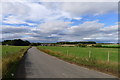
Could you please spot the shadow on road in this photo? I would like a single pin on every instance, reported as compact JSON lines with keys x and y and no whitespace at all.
{"x":21,"y":72}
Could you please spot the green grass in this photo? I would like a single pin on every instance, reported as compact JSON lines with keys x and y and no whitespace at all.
{"x":11,"y":56}
{"x":79,"y":56}
{"x":111,"y":46}
{"x":0,"y":51}
{"x":97,"y":53}
{"x":0,"y":61}
{"x":8,"y":50}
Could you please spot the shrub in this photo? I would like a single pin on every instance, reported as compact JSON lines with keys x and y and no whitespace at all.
{"x":82,"y":45}
{"x":98,"y":45}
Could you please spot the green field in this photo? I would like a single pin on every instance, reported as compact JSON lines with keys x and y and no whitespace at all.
{"x":98,"y":59}
{"x":96,"y":53}
{"x":0,"y":50}
{"x":11,"y":55}
{"x":8,"y":50}
{"x":112,"y":46}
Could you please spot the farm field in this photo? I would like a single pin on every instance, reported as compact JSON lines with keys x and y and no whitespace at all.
{"x":0,"y":61}
{"x":112,"y":46}
{"x":11,"y":55}
{"x":0,"y":51}
{"x":8,"y":50}
{"x":96,"y":53}
{"x":102,"y":59}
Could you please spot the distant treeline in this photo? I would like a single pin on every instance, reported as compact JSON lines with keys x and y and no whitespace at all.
{"x":19,"y":42}
{"x":16,"y":42}
{"x":81,"y":42}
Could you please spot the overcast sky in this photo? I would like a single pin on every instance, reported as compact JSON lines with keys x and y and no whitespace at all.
{"x":60,"y":21}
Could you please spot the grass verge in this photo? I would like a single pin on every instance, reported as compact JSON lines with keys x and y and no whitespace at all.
{"x":92,"y":63}
{"x":10,"y":64}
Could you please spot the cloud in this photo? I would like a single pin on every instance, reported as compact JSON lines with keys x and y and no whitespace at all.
{"x":13,"y":20}
{"x":87,"y":28}
{"x":77,"y":18}
{"x":88,"y":31}
{"x":11,"y":36}
{"x":19,"y":11}
{"x":38,"y":11}
{"x":91,"y":31}
{"x":52,"y":11}
{"x":59,"y":1}
{"x":110,"y":29}
{"x":87,"y":8}
{"x":13,"y":30}
{"x":53,"y":27}
{"x":52,"y":22}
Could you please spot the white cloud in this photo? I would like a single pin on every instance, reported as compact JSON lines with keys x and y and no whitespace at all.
{"x":50,"y":11}
{"x":110,"y":29}
{"x":25,"y":11}
{"x":17,"y":9}
{"x":77,"y":18}
{"x":87,"y":28}
{"x":90,"y":30}
{"x":13,"y":20}
{"x":53,"y":27}
{"x":38,"y":11}
{"x":60,"y":0}
{"x":96,"y":8}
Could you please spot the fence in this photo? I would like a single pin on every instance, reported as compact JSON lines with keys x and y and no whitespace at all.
{"x":90,"y":55}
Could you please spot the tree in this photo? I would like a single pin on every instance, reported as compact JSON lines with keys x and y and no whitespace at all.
{"x":98,"y":45}
{"x":82,"y":45}
{"x":16,"y":42}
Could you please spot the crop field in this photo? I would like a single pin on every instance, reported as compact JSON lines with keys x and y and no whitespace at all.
{"x":96,"y":53}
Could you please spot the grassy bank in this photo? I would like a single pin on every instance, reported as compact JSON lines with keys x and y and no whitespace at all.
{"x":11,"y":55}
{"x":0,"y":68}
{"x":80,"y":56}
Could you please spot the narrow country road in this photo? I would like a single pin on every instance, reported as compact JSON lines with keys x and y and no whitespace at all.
{"x":37,"y":64}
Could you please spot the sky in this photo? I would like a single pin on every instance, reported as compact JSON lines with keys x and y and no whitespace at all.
{"x":59,"y":21}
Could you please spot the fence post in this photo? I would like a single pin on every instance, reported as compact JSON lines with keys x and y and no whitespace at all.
{"x":108,"y":57}
{"x":89,"y":54}
{"x":67,"y":52}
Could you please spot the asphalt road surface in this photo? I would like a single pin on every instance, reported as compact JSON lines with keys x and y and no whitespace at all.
{"x":37,"y":64}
